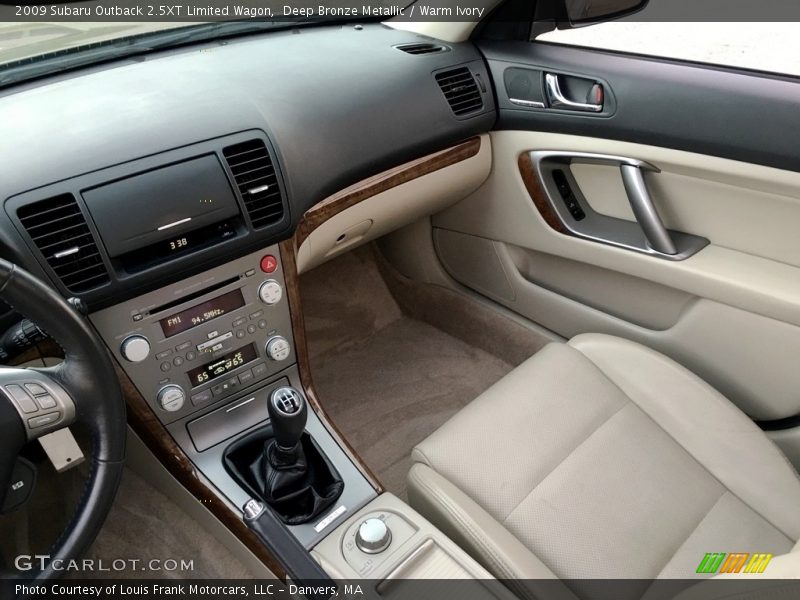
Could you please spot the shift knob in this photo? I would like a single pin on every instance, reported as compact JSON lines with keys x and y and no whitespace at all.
{"x":288,"y":412}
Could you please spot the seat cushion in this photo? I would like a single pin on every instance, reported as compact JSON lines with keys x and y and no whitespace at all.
{"x":601,"y":458}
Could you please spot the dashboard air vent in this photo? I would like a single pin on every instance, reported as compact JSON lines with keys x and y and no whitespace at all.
{"x":255,"y":177}
{"x":460,"y":90}
{"x":423,"y":48}
{"x":58,"y":228}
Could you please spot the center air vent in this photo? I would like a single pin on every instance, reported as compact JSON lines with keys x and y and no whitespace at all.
{"x":460,"y":90}
{"x":59,"y":230}
{"x":422,"y":48}
{"x":255,"y":177}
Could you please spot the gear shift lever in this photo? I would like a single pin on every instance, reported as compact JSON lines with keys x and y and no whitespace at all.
{"x":282,"y":465}
{"x":288,"y":413}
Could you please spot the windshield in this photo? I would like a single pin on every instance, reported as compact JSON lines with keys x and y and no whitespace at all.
{"x":39,"y":39}
{"x":27,"y":40}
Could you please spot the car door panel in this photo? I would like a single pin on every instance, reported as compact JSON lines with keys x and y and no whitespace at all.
{"x":731,"y":312}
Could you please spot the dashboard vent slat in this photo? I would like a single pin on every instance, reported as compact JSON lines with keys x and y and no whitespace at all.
{"x":58,"y":229}
{"x":422,"y":48}
{"x":460,"y":90}
{"x":256,"y":180}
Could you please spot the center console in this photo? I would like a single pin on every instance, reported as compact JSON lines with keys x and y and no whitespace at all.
{"x":207,"y":354}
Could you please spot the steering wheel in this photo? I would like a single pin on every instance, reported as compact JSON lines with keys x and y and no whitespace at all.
{"x":83,"y":389}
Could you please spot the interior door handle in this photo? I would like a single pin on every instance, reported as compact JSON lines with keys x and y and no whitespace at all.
{"x":645,"y":211}
{"x":557,"y":98}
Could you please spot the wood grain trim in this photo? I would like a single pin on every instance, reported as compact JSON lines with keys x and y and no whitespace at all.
{"x":332,"y":205}
{"x":291,"y":278}
{"x":534,"y":186}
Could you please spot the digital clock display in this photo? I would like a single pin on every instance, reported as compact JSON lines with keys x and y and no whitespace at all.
{"x":222,"y":365}
{"x":197,"y":315}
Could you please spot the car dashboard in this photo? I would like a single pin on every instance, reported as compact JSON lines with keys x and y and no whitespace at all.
{"x":170,"y":194}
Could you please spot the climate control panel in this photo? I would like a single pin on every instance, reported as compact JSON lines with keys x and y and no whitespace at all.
{"x":193,"y":343}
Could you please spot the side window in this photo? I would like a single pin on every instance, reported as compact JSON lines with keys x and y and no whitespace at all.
{"x":770,"y":47}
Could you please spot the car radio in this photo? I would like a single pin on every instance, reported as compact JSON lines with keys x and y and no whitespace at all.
{"x":191,"y":344}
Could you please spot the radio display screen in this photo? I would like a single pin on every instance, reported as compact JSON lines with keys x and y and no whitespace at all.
{"x":222,"y":365}
{"x":201,"y":313}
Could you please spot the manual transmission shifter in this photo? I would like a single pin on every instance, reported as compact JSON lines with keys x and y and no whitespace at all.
{"x":282,"y":464}
{"x":288,"y":413}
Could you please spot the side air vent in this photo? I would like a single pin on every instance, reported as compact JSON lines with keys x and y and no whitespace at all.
{"x":58,"y":228}
{"x":257,"y":182}
{"x":460,"y":90}
{"x":423,"y":48}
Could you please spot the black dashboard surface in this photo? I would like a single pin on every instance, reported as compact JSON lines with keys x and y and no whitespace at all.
{"x":339,"y":103}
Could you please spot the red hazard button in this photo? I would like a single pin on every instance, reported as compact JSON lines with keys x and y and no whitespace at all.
{"x":269,"y":263}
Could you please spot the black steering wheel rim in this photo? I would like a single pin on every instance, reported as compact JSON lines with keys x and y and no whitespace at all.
{"x":88,"y":376}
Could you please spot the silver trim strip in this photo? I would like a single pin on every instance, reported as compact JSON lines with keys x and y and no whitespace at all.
{"x":258,"y":190}
{"x":528,"y":103}
{"x":240,"y":405}
{"x":168,"y":225}
{"x":68,"y":252}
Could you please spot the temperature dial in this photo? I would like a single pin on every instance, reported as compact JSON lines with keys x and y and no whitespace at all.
{"x":135,"y":348}
{"x":270,"y":292}
{"x":171,"y":398}
{"x":278,"y":348}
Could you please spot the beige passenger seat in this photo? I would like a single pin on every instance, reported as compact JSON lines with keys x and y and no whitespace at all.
{"x":601,"y":458}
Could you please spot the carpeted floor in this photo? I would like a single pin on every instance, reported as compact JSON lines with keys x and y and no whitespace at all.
{"x":388,"y":380}
{"x":143,"y":525}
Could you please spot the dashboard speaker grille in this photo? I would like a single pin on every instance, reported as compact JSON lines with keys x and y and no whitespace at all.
{"x":460,"y":90}
{"x":422,"y":48}
{"x":59,"y":230}
{"x":255,"y":177}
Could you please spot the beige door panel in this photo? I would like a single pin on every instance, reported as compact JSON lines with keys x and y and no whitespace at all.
{"x":749,"y":358}
{"x":501,"y":209}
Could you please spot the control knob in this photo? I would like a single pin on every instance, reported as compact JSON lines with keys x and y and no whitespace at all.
{"x":373,"y":536}
{"x":135,"y":348}
{"x":278,"y":348}
{"x":270,"y":292}
{"x":171,"y":398}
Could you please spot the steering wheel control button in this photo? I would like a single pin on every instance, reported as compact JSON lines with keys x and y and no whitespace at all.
{"x":269,"y":264}
{"x":278,"y":348}
{"x":35,"y":389}
{"x":46,"y":401}
{"x":22,"y":398}
{"x":373,"y":536}
{"x":165,"y":366}
{"x":43,"y":420}
{"x":270,"y":292}
{"x":135,"y":348}
{"x":171,"y":398}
